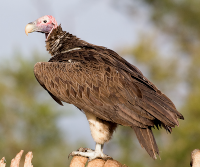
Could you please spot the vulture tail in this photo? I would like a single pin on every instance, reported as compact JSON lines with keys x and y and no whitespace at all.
{"x":147,"y":140}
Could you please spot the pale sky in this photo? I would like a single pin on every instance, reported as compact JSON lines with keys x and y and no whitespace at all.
{"x":97,"y":22}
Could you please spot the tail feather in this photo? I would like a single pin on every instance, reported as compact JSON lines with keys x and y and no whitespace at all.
{"x":147,"y":140}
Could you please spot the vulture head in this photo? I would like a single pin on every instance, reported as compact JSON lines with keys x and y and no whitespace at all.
{"x":44,"y":24}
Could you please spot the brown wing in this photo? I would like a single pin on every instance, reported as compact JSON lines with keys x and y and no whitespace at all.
{"x":107,"y":93}
{"x":95,"y":88}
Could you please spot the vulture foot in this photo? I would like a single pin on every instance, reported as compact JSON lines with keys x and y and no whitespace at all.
{"x":90,"y":154}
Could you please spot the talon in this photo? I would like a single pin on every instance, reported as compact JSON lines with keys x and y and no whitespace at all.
{"x":69,"y":155}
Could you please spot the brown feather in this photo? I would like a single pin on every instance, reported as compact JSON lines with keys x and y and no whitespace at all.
{"x":147,"y":140}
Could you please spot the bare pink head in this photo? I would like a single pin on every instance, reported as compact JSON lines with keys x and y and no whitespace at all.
{"x":44,"y":24}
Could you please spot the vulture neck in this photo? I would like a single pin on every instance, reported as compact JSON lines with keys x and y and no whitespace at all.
{"x":60,"y":41}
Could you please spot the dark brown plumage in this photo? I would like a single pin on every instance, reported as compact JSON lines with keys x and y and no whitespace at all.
{"x":97,"y":80}
{"x":108,"y":89}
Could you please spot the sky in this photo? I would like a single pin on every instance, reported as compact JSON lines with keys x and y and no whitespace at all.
{"x":94,"y":21}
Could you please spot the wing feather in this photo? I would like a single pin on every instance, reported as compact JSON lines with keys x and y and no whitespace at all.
{"x":111,"y":95}
{"x":147,"y":140}
{"x":37,"y":76}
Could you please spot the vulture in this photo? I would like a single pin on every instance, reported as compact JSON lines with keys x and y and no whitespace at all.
{"x":105,"y":87}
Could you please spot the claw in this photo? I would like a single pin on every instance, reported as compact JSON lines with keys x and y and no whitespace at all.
{"x":81,"y":149}
{"x":69,"y":155}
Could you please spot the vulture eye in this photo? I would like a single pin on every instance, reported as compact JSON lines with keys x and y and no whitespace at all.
{"x":44,"y":21}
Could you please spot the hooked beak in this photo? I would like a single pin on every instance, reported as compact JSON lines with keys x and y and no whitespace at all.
{"x":30,"y":27}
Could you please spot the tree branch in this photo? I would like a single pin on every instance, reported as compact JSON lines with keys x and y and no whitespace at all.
{"x":28,"y":159}
{"x":15,"y":161}
{"x":81,"y":162}
{"x":2,"y":162}
{"x":76,"y":161}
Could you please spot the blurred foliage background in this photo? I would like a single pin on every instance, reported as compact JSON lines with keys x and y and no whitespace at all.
{"x":168,"y":53}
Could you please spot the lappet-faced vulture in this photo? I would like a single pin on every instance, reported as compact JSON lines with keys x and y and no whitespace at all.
{"x":105,"y":87}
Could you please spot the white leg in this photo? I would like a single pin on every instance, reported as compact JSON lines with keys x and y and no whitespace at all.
{"x":99,"y":147}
